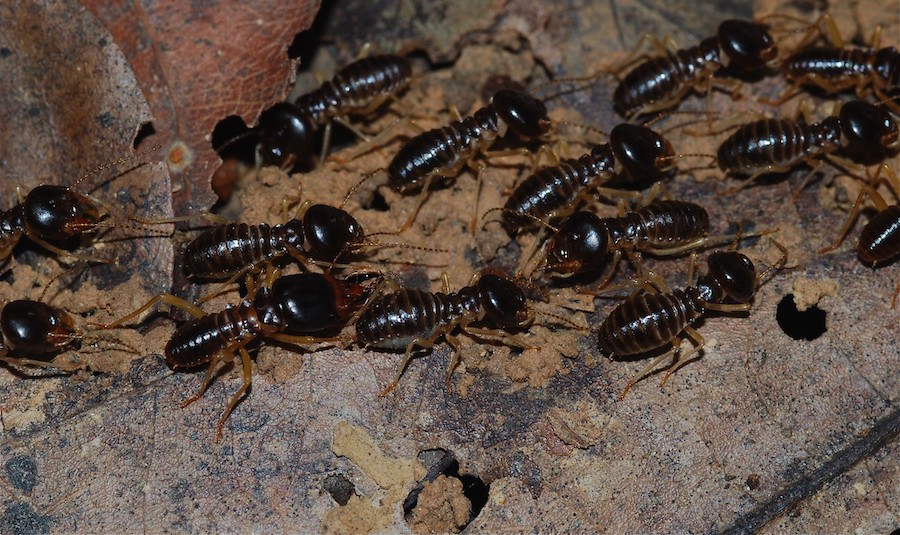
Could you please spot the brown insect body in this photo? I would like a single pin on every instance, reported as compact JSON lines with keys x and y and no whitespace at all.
{"x":36,"y":329}
{"x":646,"y":322}
{"x":584,"y":241}
{"x":295,"y":304}
{"x":633,"y":152}
{"x":771,"y":143}
{"x":879,"y":240}
{"x":354,"y":88}
{"x":660,"y":82}
{"x":49,"y":212}
{"x":409,"y":318}
{"x":323,"y":234}
{"x":845,"y":68}
{"x":395,"y":320}
{"x":441,"y":152}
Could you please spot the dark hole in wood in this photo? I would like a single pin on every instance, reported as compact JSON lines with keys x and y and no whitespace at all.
{"x":806,"y":325}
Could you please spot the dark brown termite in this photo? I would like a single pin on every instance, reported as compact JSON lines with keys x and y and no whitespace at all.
{"x":488,"y":307}
{"x":868,"y":70}
{"x":319,"y":234}
{"x":441,"y":153}
{"x":879,"y":240}
{"x":776,"y":145}
{"x":633,"y":152}
{"x":584,"y":242}
{"x":291,"y":309}
{"x":51,"y":213}
{"x":646,"y":322}
{"x":661,"y":81}
{"x":287,"y":131}
{"x":34,"y":333}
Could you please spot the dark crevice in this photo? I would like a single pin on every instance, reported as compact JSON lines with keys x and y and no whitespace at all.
{"x":339,"y":487}
{"x":444,"y":463}
{"x":378,"y":203}
{"x":305,"y":43}
{"x":806,"y":325}
{"x":145,"y":131}
{"x":231,"y":138}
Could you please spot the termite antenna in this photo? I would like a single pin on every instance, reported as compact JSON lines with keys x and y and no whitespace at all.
{"x":518,"y":214}
{"x":58,"y":276}
{"x":363,"y":244}
{"x":563,"y":320}
{"x":583,"y":126}
{"x":713,"y":160}
{"x":113,"y":164}
{"x":358,"y":185}
{"x":587,"y":79}
{"x":228,"y":142}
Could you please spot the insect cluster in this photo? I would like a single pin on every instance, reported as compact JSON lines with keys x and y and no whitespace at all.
{"x":555,"y":209}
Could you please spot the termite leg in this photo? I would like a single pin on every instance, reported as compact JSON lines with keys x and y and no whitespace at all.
{"x":248,"y":380}
{"x":170,"y":299}
{"x":684,"y":358}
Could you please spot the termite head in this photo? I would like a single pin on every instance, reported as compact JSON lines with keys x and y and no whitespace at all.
{"x":329,"y":231}
{"x":580,"y":244}
{"x":866,"y":125}
{"x":503,"y":301}
{"x":524,"y":114}
{"x":733,"y":273}
{"x":285,"y":135}
{"x":299,"y":304}
{"x":58,"y":213}
{"x":747,"y":44}
{"x":887,"y":65}
{"x":641,"y":151}
{"x":36,"y":329}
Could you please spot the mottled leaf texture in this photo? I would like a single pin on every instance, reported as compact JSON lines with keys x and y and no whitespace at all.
{"x":70,"y":104}
{"x":199,"y":62}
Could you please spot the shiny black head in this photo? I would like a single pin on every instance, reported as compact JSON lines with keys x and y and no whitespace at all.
{"x":58,"y":213}
{"x":304,"y":303}
{"x":747,"y":44}
{"x":285,"y":135}
{"x":866,"y":125}
{"x":504,"y":302}
{"x":329,"y":231}
{"x":524,"y":114}
{"x":641,"y":151}
{"x":887,"y":65}
{"x":734,"y":273}
{"x":580,"y":245}
{"x":35,"y":328}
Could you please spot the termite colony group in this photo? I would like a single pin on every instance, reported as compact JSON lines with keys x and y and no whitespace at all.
{"x":336,"y":300}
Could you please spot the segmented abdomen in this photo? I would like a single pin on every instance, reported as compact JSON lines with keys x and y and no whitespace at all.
{"x":887,"y":65}
{"x":545,"y":193}
{"x":440,"y":149}
{"x":764,"y":143}
{"x":226,"y":249}
{"x":834,"y":64}
{"x":665,"y":224}
{"x":199,"y":340}
{"x":665,"y":77}
{"x":396,"y":319}
{"x":645,"y":322}
{"x":880,"y":238}
{"x":356,"y":86}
